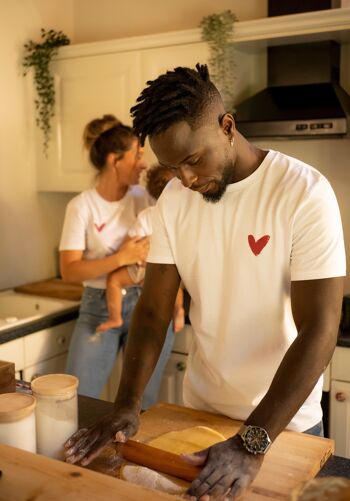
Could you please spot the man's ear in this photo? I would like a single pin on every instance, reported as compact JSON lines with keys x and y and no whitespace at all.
{"x":227,"y":123}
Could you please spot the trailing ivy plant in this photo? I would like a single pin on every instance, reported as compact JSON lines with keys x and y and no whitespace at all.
{"x":217,"y":31}
{"x":39,"y":56}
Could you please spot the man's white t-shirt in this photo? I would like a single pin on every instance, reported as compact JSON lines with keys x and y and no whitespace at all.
{"x":98,"y":227}
{"x":237,"y":258}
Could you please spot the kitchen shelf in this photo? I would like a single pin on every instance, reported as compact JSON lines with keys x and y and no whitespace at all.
{"x":254,"y":34}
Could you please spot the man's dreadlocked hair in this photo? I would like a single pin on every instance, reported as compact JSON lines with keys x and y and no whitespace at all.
{"x":181,"y":94}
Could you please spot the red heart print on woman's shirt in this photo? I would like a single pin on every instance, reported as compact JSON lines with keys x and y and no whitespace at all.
{"x":257,"y":245}
{"x":100,"y":227}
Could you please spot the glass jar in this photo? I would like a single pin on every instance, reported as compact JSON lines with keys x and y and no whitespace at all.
{"x":56,"y":412}
{"x":17,"y":421}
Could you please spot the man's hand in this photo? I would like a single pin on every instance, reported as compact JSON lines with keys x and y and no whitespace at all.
{"x":87,"y":443}
{"x":229,"y":470}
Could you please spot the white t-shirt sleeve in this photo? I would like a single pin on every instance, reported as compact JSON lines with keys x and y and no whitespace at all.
{"x":160,"y":250}
{"x":318,"y":243}
{"x":74,"y":229}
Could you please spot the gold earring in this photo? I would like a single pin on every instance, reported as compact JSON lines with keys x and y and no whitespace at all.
{"x":232,"y":140}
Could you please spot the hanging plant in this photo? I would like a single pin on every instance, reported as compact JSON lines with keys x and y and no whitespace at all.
{"x":217,"y":31}
{"x":39,"y":56}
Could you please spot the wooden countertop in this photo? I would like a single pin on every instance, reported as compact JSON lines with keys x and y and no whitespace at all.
{"x":53,"y":287}
{"x":293,"y":458}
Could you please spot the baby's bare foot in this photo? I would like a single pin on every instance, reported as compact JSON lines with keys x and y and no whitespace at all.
{"x":109,"y":324}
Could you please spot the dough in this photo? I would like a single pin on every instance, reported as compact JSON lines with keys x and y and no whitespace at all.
{"x":323,"y":489}
{"x":179,"y":442}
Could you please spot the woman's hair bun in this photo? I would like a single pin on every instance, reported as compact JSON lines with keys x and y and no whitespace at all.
{"x":98,"y":126}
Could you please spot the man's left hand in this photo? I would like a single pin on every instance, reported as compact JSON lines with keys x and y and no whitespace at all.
{"x":228,"y":471}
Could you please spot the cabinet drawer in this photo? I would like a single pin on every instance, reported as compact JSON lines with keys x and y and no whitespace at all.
{"x":55,"y":365}
{"x":13,"y":351}
{"x":47,"y":343}
{"x":341,"y":364}
{"x":183,"y":340}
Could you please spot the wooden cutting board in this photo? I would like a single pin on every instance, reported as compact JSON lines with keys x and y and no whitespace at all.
{"x":292,"y":459}
{"x":53,"y":287}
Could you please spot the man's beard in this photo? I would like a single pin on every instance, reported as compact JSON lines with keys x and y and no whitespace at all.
{"x":220,"y":186}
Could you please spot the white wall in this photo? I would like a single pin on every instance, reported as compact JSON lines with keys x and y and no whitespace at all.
{"x":108,"y":19}
{"x":30,"y":223}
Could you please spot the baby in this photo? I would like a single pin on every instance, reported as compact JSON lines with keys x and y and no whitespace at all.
{"x":157,"y":178}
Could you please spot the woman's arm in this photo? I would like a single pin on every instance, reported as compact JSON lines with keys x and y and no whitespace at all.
{"x":74,"y":268}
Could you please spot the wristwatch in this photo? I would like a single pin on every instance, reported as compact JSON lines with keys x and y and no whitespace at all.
{"x":255,"y":439}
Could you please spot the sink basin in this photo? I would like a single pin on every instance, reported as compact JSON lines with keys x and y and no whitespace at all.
{"x":17,"y":308}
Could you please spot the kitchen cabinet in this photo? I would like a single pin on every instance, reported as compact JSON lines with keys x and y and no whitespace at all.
{"x":55,"y":365}
{"x":172,"y":382}
{"x":106,"y":77}
{"x":42,"y":352}
{"x":13,"y":351}
{"x":86,"y":87}
{"x":46,"y":351}
{"x":340,"y":401}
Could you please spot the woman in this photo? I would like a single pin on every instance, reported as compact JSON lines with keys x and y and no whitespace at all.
{"x":92,"y":245}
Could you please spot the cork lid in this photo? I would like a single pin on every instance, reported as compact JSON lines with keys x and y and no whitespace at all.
{"x":15,"y":406}
{"x":54,"y":384}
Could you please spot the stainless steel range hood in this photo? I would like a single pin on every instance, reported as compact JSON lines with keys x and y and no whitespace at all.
{"x":303,"y":97}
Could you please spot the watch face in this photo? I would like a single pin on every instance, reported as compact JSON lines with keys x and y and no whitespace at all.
{"x":256,"y":439}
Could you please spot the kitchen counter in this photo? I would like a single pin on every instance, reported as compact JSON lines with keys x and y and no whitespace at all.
{"x":53,"y":288}
{"x":60,"y":317}
{"x":90,"y":409}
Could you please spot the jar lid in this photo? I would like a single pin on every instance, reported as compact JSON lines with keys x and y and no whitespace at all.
{"x":54,"y":384}
{"x":15,"y":406}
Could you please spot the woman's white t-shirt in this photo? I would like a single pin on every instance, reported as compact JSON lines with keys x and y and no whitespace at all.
{"x":237,"y":259}
{"x":98,"y":227}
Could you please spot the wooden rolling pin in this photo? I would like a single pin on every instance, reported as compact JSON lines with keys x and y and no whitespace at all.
{"x":158,"y":460}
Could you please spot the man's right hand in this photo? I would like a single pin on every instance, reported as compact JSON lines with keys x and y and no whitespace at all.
{"x":87,"y":443}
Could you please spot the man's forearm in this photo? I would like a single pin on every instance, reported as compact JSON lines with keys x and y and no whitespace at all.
{"x":295,"y":378}
{"x":144,"y":345}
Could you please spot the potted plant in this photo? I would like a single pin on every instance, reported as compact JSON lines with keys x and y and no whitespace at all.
{"x":217,"y":31}
{"x":39,"y":56}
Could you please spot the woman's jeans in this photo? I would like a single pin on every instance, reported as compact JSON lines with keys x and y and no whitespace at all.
{"x":91,"y":356}
{"x":316,"y":430}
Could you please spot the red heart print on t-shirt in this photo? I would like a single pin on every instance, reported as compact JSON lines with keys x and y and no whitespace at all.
{"x":100,"y":227}
{"x":257,"y":245}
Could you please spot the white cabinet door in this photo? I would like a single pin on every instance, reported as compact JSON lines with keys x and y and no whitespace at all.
{"x":47,"y":343}
{"x":161,"y":59}
{"x":55,"y":365}
{"x":172,"y":382}
{"x":156,"y":61}
{"x":13,"y":351}
{"x":340,"y":417}
{"x":86,"y":88}
{"x":183,"y":340}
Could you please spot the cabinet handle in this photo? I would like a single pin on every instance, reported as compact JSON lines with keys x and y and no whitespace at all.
{"x":340,"y":396}
{"x":61,"y":340}
{"x":181,"y":366}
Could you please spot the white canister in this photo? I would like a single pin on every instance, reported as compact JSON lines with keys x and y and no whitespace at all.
{"x":17,"y":421}
{"x":56,"y":412}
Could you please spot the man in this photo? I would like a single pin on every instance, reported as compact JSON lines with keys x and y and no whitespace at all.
{"x":256,"y":238}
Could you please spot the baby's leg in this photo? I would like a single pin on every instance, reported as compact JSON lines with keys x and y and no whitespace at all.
{"x":179,"y":312}
{"x":115,"y":282}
